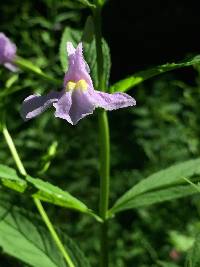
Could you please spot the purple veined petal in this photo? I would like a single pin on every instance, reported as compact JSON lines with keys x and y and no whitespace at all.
{"x":78,"y":68}
{"x":112,"y":101}
{"x":63,"y":106}
{"x":34,"y":105}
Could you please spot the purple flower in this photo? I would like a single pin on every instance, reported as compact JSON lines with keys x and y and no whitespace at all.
{"x":7,"y":52}
{"x":78,"y":97}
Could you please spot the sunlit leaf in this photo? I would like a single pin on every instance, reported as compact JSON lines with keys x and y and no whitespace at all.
{"x":126,"y":84}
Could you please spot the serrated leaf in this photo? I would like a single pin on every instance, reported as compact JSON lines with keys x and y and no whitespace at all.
{"x":10,"y":178}
{"x":141,"y":76}
{"x":158,"y":181}
{"x":69,"y":35}
{"x":24,"y":237}
{"x":53,"y":194}
{"x":193,"y":258}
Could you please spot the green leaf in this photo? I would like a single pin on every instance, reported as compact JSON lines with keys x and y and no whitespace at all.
{"x":180,"y":241}
{"x":139,"y":77}
{"x":159,"y":181}
{"x":87,"y":3}
{"x":10,"y":178}
{"x":154,"y":197}
{"x":53,"y":194}
{"x":193,"y":258}
{"x":23,"y":237}
{"x":69,"y":35}
{"x":31,"y":67}
{"x":26,"y":64}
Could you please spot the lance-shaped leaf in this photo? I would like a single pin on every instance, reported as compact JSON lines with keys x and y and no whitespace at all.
{"x":139,"y":77}
{"x":172,"y":176}
{"x":156,"y":196}
{"x":10,"y":178}
{"x":24,"y":237}
{"x":53,"y":194}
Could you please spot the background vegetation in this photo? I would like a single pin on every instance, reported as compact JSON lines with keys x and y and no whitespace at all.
{"x":163,"y":129}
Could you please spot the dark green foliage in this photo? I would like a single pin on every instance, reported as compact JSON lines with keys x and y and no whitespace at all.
{"x":162,"y":130}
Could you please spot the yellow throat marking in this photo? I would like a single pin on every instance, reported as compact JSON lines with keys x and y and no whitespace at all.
{"x":81,"y":84}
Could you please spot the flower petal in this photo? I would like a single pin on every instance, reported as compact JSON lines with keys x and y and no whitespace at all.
{"x":78,"y":68}
{"x":34,"y":105}
{"x":112,"y":101}
{"x":63,"y":106}
{"x":82,"y":105}
{"x":11,"y":67}
{"x":7,"y":49}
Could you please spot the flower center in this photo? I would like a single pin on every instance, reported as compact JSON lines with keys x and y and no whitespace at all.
{"x":81,"y":84}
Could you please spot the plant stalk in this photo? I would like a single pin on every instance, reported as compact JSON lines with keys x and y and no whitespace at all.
{"x":37,"y":202}
{"x":104,"y":138}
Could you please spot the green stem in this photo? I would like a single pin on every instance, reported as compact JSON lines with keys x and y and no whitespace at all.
{"x":30,"y":67}
{"x":13,"y":151}
{"x":104,"y":163}
{"x":53,"y":232}
{"x":37,"y":202}
{"x":104,"y":146}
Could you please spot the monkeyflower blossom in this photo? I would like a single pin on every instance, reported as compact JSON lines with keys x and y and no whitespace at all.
{"x":78,"y":97}
{"x":7,"y":52}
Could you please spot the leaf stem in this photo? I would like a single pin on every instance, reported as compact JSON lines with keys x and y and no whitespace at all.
{"x":30,"y":67}
{"x":104,"y":138}
{"x":13,"y":150}
{"x":53,"y":232}
{"x":37,"y":202}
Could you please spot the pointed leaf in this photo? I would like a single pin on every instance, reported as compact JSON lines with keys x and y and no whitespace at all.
{"x":53,"y":194}
{"x":139,"y":77}
{"x":161,"y":180}
{"x":154,"y":197}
